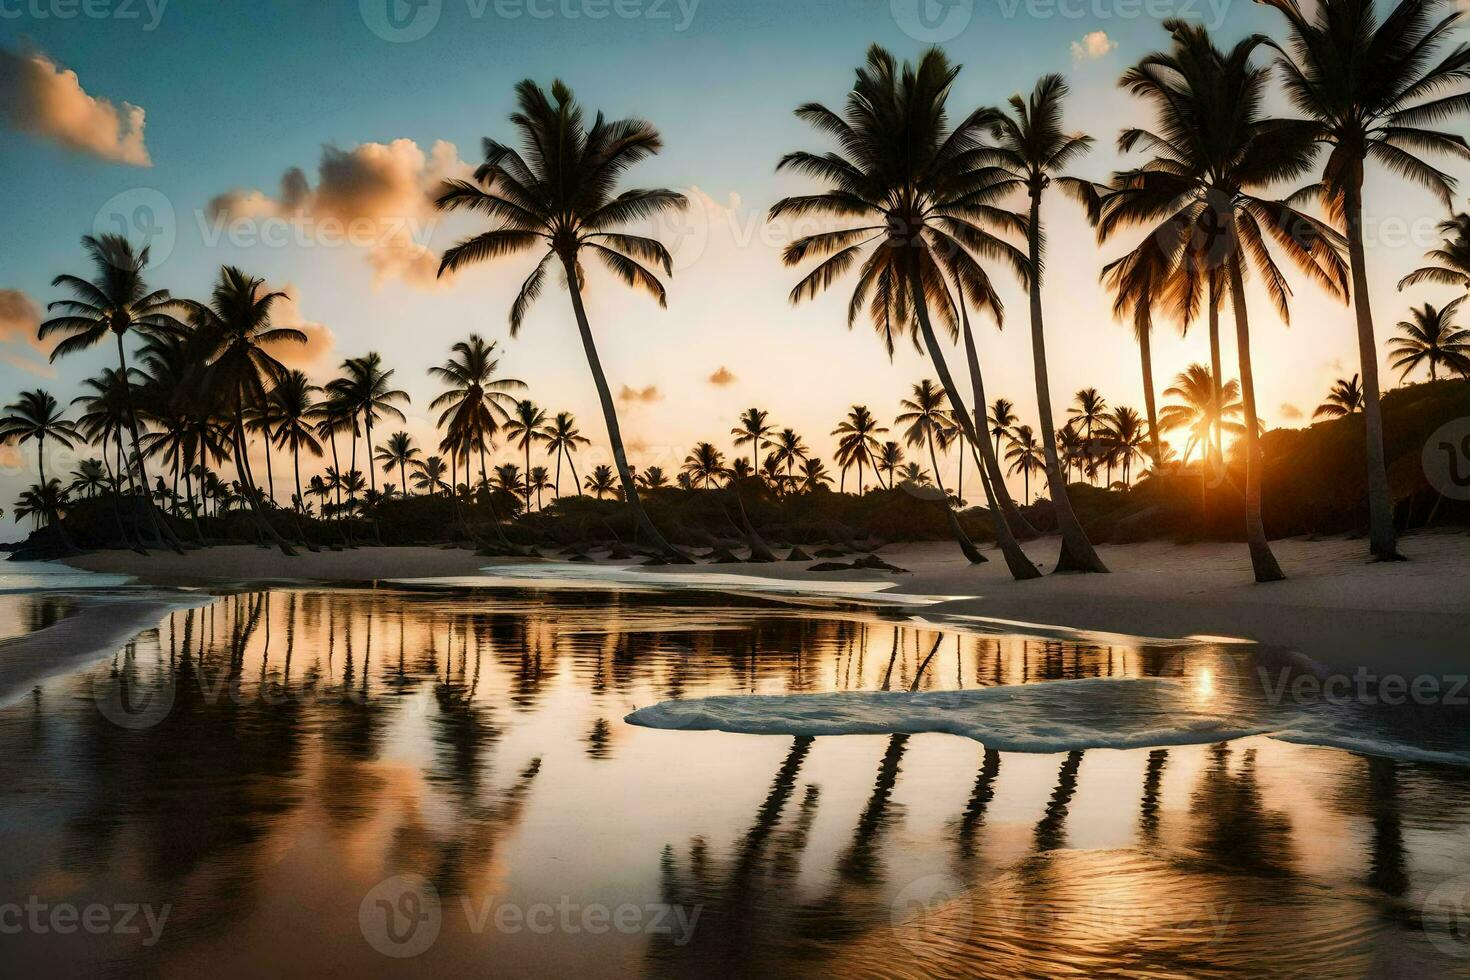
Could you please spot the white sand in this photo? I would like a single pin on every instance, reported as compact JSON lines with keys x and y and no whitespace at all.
{"x":1335,"y":606}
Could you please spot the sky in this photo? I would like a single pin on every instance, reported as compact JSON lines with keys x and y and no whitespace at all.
{"x":300,"y":142}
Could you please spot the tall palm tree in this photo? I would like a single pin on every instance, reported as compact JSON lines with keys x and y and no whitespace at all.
{"x":753,"y":428}
{"x":1003,"y":420}
{"x":557,"y":193}
{"x":926,"y":422}
{"x":1088,"y":411}
{"x":525,"y":427}
{"x":1032,"y":151}
{"x":235,"y":331}
{"x":263,"y":419}
{"x":563,"y":438}
{"x":538,"y":479}
{"x":1345,"y":398}
{"x":105,"y":413}
{"x":788,"y":449}
{"x":428,"y":474}
{"x":814,"y":474}
{"x":705,"y":465}
{"x":1430,"y":336}
{"x":1199,"y":411}
{"x":1199,"y":197}
{"x":295,"y":401}
{"x":1369,"y":88}
{"x":1126,"y":439}
{"x":399,"y":452}
{"x":37,"y":415}
{"x":90,"y":478}
{"x":1138,"y":281}
{"x":857,"y":440}
{"x":475,"y":401}
{"x":905,"y":186}
{"x":118,"y":301}
{"x":890,"y":457}
{"x":364,"y":387}
{"x":42,"y":502}
{"x":1026,"y":456}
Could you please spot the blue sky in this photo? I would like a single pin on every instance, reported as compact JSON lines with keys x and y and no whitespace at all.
{"x":237,"y":93}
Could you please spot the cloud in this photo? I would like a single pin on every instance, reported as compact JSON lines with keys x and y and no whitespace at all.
{"x":375,"y":196}
{"x":39,"y":97}
{"x":19,"y":317}
{"x":1289,"y":412}
{"x":320,"y":344}
{"x":1094,"y":44}
{"x":724,"y":376}
{"x":649,"y":394}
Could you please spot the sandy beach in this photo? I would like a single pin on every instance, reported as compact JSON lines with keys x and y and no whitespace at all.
{"x":1335,"y":607}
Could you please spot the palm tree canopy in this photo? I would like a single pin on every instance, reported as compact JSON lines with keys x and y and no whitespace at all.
{"x":1430,"y":336}
{"x":115,"y":300}
{"x":37,"y":415}
{"x":1345,"y":398}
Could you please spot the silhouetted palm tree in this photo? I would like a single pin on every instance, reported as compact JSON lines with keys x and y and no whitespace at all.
{"x":399,"y":452}
{"x":814,"y":475}
{"x":295,"y":399}
{"x":653,"y":478}
{"x":890,"y":457}
{"x":90,"y":478}
{"x":1345,"y":398}
{"x":365,"y":388}
{"x":1088,"y":411}
{"x":428,"y":475}
{"x":476,"y":402}
{"x":1452,"y":257}
{"x":705,"y":465}
{"x":788,"y":449}
{"x":1369,"y":89}
{"x":1126,"y":439}
{"x":36,"y":415}
{"x":601,"y":482}
{"x":1025,"y":455}
{"x":753,"y":428}
{"x":564,"y":439}
{"x":558,"y":193}
{"x":857,"y":441}
{"x":1195,"y":412}
{"x":525,"y":427}
{"x":1431,"y":337}
{"x":1003,"y":420}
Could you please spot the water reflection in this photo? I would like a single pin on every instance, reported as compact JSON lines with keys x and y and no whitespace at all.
{"x":284,"y":752}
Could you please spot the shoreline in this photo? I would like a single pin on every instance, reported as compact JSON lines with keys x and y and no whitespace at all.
{"x":1335,"y":606}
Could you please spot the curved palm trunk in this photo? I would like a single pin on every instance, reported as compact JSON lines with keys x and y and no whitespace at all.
{"x":610,"y":416}
{"x":1262,"y":560}
{"x":1016,"y":522}
{"x":576,"y":483}
{"x":967,"y":547}
{"x":296,"y":465}
{"x":193,"y":508}
{"x":1381,"y":540}
{"x":270,"y":470}
{"x":1019,"y":565}
{"x":1214,"y":446}
{"x":161,"y":529}
{"x":1077,"y":553}
{"x":242,"y":463}
{"x":1150,"y":407}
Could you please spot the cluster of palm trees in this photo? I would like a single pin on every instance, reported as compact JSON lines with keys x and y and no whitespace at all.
{"x":923,"y":206}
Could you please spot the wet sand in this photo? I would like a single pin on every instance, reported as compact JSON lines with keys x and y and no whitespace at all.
{"x":1335,"y":606}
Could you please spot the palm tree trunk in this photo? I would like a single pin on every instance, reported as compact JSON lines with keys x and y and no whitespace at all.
{"x":528,"y":472}
{"x":242,"y":463}
{"x":1381,"y":541}
{"x":558,"y":472}
{"x":1215,"y":447}
{"x":161,"y":530}
{"x":1150,"y":406}
{"x":572,"y":464}
{"x":296,"y":466}
{"x":1002,"y":504}
{"x":967,"y":547}
{"x":1262,"y":560}
{"x":270,"y":472}
{"x":1077,"y":553}
{"x":610,"y":416}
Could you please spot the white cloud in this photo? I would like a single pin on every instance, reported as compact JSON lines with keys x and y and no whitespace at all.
{"x":39,"y":97}
{"x":19,"y":317}
{"x":1094,"y":44}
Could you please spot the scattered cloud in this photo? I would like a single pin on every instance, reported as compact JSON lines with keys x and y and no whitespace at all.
{"x":1290,"y":412}
{"x":39,"y":97}
{"x":320,"y":344}
{"x":374,"y":196}
{"x":649,"y":394}
{"x":19,"y":317}
{"x":724,"y":376}
{"x":1094,"y":44}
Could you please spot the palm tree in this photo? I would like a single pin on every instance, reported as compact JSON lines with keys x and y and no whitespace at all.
{"x":37,"y":415}
{"x":753,"y":429}
{"x":705,"y":464}
{"x":1071,"y":449}
{"x":653,"y":478}
{"x":508,"y":478}
{"x":263,"y":418}
{"x":1088,"y":411}
{"x":857,"y":440}
{"x":905,"y":186}
{"x":117,"y":301}
{"x":1369,"y":89}
{"x":525,"y":427}
{"x":814,"y":475}
{"x":929,"y":424}
{"x":334,"y":416}
{"x":90,"y":478}
{"x":539,"y":479}
{"x":476,"y":402}
{"x":1431,"y":337}
{"x":1345,"y":398}
{"x":320,"y":489}
{"x":364,"y":388}
{"x":1213,"y":151}
{"x":1199,"y":411}
{"x":399,"y":452}
{"x":1126,"y":438}
{"x":915,"y":474}
{"x":563,"y":438}
{"x":1003,"y":420}
{"x":1026,"y":456}
{"x":788,"y":449}
{"x":601,"y":482}
{"x":890,"y":457}
{"x":558,"y":193}
{"x":42,"y":502}
{"x":1031,"y":152}
{"x":1453,"y":256}
{"x":235,"y":331}
{"x":294,"y":397}
{"x":1139,"y":281}
{"x":428,"y":475}
{"x":105,"y":415}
